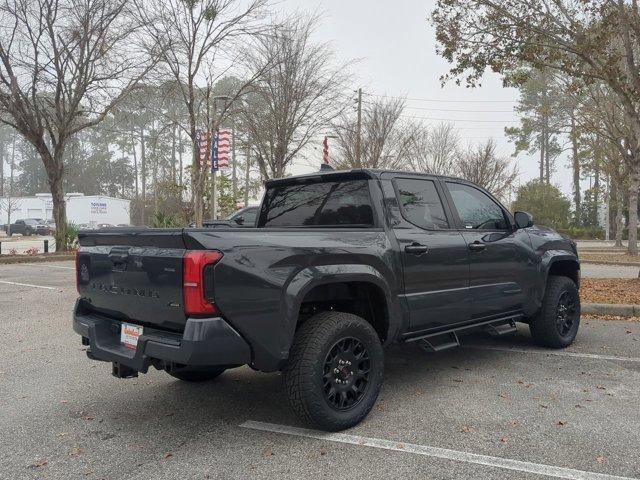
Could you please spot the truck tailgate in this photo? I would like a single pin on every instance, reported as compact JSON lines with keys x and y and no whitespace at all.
{"x":133,"y":275}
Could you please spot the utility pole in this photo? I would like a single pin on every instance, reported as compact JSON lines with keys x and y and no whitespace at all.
{"x":12,"y":167}
{"x":359,"y":131}
{"x":246,"y":176}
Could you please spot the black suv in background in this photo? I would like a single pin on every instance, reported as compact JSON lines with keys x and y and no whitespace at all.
{"x":339,"y":265}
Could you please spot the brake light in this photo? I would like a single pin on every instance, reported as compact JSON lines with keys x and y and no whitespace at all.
{"x":78,"y":270}
{"x":193,"y":265}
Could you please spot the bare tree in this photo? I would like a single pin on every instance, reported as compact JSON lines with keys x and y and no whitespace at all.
{"x":385,"y":138}
{"x":295,"y":99}
{"x":195,"y":38}
{"x":64,"y":64}
{"x":8,"y":205}
{"x":482,"y":165}
{"x":435,"y":149}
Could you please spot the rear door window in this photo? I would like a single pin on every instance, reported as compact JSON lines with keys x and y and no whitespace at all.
{"x":421,"y":204}
{"x":325,"y":204}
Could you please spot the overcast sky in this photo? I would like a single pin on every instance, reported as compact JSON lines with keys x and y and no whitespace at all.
{"x":395,"y":44}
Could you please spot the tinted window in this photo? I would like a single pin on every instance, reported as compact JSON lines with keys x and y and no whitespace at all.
{"x":318,"y":204}
{"x":421,"y":203}
{"x":250,"y":216}
{"x":476,"y":209}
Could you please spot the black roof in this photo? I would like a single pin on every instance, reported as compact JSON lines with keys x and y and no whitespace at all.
{"x":358,"y":173}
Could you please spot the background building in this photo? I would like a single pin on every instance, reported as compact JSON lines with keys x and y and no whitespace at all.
{"x":81,"y":209}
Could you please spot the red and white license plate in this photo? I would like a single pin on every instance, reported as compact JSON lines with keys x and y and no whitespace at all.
{"x":129,"y":335}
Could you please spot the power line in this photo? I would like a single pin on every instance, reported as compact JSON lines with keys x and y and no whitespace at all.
{"x":459,"y":119}
{"x":448,"y":109}
{"x":458,"y":110}
{"x":415,"y":99}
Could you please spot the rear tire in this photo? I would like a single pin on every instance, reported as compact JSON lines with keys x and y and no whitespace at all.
{"x":335,"y":370}
{"x":195,"y":375}
{"x":556,"y":324}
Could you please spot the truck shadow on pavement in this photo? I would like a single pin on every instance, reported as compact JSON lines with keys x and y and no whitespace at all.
{"x":241,"y":394}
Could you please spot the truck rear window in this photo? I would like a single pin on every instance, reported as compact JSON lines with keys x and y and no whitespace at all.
{"x":326,"y":204}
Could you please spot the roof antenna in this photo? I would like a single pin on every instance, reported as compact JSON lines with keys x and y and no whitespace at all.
{"x":325,"y":167}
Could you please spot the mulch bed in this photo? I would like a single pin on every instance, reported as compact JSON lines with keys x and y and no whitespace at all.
{"x":610,"y":290}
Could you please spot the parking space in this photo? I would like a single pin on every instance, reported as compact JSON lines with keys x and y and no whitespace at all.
{"x":495,"y":408}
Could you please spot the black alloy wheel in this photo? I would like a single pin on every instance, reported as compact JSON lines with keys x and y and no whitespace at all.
{"x":346,"y":374}
{"x":566,"y":313}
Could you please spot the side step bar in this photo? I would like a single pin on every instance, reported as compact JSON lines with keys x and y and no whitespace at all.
{"x":440,"y":343}
{"x":501,"y":330}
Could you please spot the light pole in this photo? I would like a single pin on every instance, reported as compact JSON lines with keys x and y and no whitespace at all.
{"x":215,"y":124}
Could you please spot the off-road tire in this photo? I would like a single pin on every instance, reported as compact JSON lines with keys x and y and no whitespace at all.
{"x":306,"y":370}
{"x":545,"y":326}
{"x":195,"y":375}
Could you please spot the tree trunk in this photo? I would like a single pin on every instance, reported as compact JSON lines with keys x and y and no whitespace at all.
{"x":197,"y":186}
{"x":54,"y":167}
{"x":619,"y":217}
{"x":575,"y":163}
{"x":143,"y":171}
{"x":547,"y":158}
{"x":542,"y":136}
{"x":246,"y":177}
{"x":135,"y":176}
{"x":173,"y":154}
{"x":1,"y":169}
{"x":180,"y":162}
{"x":634,"y":184}
{"x":154,"y":174}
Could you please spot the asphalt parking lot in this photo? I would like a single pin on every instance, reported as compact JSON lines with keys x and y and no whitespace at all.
{"x":495,"y":408}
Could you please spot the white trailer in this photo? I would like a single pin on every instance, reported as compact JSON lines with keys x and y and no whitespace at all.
{"x":81,"y":209}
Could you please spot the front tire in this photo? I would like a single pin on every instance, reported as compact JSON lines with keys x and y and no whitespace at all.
{"x":187,"y":374}
{"x":335,"y":370}
{"x":556,"y":324}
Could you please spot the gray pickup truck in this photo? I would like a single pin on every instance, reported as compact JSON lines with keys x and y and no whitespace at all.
{"x":339,"y":265}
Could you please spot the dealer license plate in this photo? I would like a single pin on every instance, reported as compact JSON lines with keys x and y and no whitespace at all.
{"x":129,"y":335}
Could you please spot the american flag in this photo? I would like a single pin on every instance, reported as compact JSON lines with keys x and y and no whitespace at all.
{"x":220,"y":150}
{"x":202,"y":139}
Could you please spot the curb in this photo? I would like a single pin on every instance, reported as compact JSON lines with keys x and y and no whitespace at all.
{"x":11,"y":259}
{"x":610,"y":309}
{"x":604,"y":262}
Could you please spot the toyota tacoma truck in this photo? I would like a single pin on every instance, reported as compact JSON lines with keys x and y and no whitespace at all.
{"x":339,"y":265}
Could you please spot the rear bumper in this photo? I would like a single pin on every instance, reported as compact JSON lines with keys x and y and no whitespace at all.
{"x":204,"y":342}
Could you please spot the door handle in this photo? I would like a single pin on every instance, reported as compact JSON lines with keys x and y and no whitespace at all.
{"x":477,"y":246}
{"x":416,"y":249}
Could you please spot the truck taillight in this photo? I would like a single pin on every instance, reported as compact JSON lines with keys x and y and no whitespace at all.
{"x":193,"y":282}
{"x":78,"y":270}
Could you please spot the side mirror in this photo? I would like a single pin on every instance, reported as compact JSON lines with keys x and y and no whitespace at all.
{"x":523,"y":220}
{"x":239,"y":220}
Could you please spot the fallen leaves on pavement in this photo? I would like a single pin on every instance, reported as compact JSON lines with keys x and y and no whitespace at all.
{"x":40,"y":463}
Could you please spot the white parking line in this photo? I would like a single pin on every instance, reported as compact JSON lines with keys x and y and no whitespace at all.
{"x":28,"y":285}
{"x":506,"y":463}
{"x":556,"y":353}
{"x":42,"y":264}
